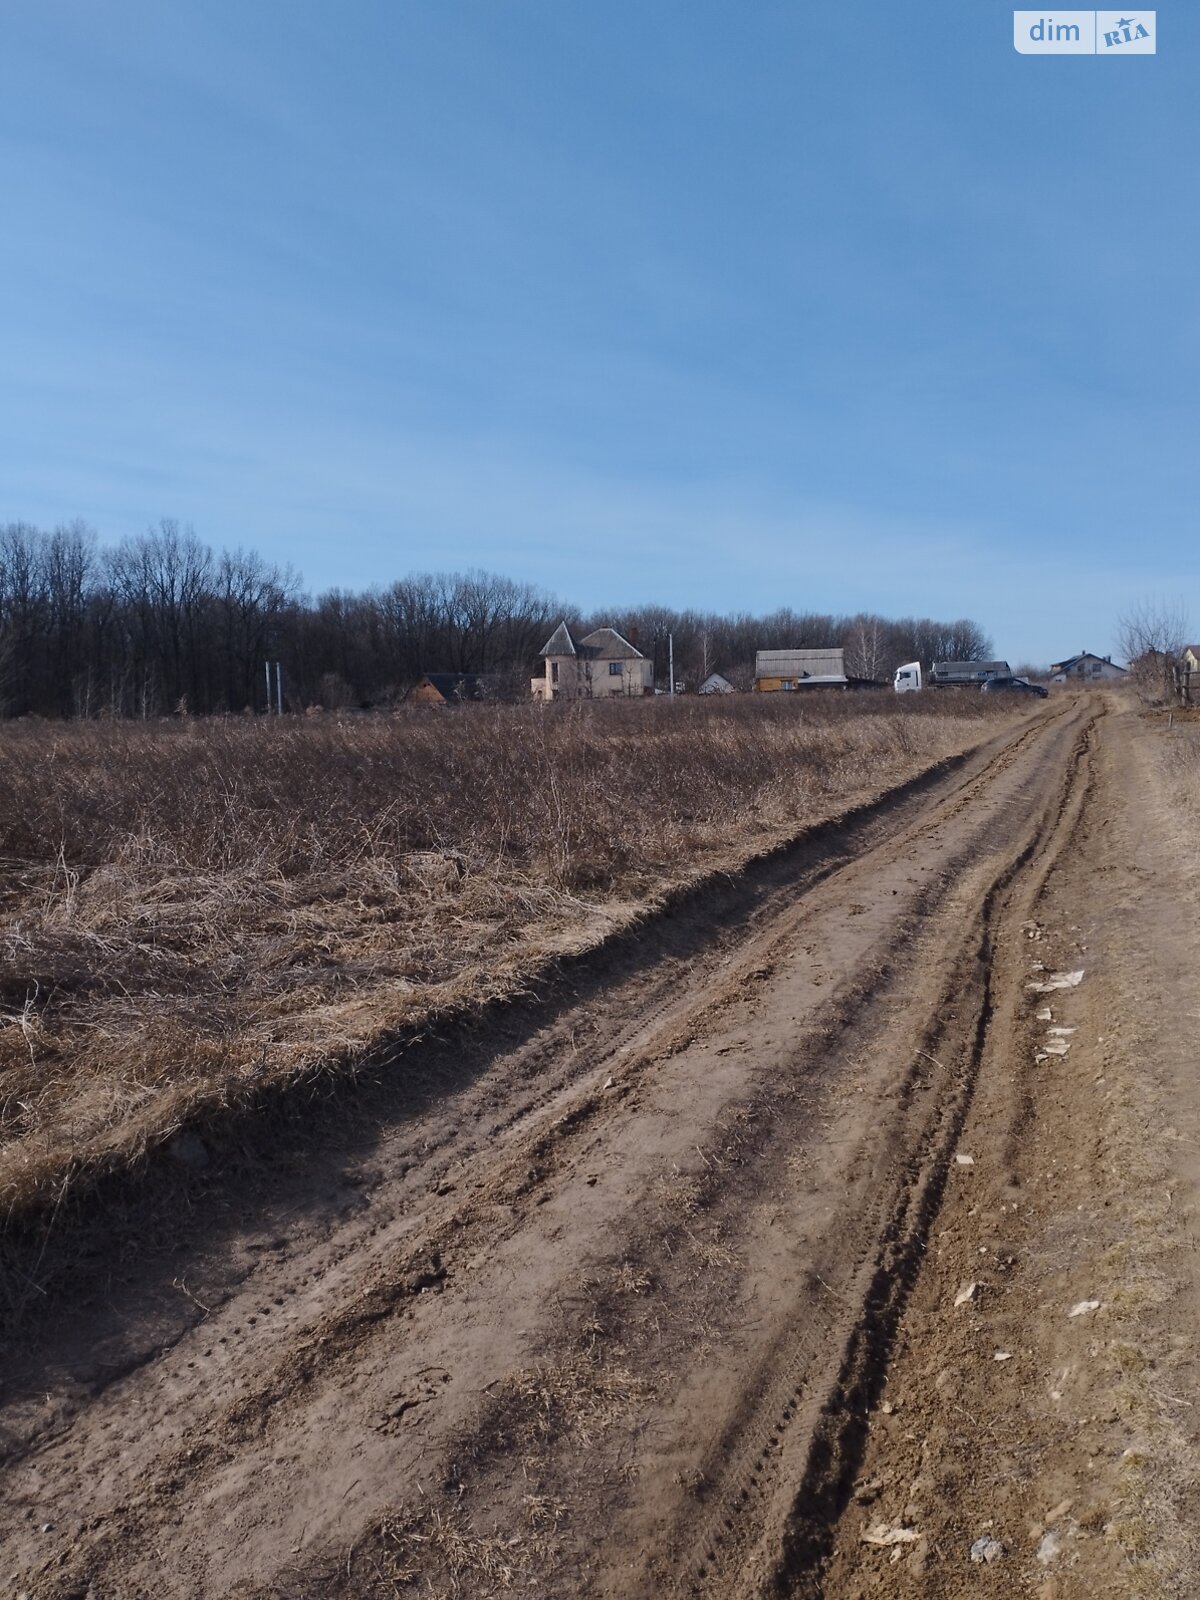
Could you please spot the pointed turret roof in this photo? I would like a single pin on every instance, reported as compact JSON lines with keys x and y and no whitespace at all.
{"x":560,"y":642}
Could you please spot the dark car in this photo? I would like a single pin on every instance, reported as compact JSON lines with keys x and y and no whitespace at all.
{"x":1017,"y":685}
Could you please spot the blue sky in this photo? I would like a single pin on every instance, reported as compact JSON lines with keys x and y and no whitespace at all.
{"x":716,"y":305}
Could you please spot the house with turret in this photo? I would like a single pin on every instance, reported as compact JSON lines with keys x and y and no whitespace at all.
{"x":602,"y":665}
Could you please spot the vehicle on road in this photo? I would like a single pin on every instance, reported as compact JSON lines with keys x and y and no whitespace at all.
{"x":908,"y":678}
{"x":948,"y":674}
{"x":1014,"y":686}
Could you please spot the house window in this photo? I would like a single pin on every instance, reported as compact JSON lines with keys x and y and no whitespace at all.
{"x":554,"y":672}
{"x":614,"y":669}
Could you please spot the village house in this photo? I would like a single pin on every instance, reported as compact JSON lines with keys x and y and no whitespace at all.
{"x":716,"y":683}
{"x":1086,"y":668}
{"x":776,"y":670}
{"x":603,"y":665}
{"x":1187,"y":675}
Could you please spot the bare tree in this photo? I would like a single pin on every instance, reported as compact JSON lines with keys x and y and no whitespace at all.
{"x":866,"y":648}
{"x":250,"y":596}
{"x":1152,"y":636}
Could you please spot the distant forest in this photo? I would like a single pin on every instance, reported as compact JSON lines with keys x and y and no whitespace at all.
{"x":162,"y":624}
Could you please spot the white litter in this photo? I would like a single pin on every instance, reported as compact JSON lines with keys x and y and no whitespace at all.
{"x":963,"y":1159}
{"x":1062,"y":1032}
{"x":987,"y":1549}
{"x":1059,"y":1388}
{"x":1049,"y":1548}
{"x":1058,"y":980}
{"x":1044,"y":1014}
{"x":1083,"y":1307}
{"x":1055,"y":1047}
{"x":965,"y":1294}
{"x":880,"y":1534}
{"x":608,"y":1082}
{"x":1002,"y":1355}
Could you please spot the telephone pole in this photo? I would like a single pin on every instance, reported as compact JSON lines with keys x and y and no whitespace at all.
{"x":274,"y":691}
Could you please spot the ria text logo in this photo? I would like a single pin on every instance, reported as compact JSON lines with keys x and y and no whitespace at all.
{"x":1085,"y":33}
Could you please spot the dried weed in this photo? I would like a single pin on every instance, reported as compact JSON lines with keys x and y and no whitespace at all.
{"x":191,"y":910}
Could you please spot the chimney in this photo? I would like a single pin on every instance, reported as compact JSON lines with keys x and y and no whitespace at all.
{"x":633,"y":637}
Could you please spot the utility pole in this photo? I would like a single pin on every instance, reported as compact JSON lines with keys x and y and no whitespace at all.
{"x":671,"y":661}
{"x":275,"y":690}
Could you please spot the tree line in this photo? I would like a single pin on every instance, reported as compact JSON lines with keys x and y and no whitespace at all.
{"x":162,"y":624}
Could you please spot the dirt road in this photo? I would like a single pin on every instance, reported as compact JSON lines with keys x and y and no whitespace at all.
{"x":790,"y":1249}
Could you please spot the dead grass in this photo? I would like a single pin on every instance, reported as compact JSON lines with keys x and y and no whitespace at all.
{"x":189,"y":910}
{"x":578,"y":1395}
{"x":444,"y":1554}
{"x":1179,"y":752}
{"x":630,"y":1279}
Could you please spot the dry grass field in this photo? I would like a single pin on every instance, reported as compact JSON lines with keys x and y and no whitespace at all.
{"x":193,"y":909}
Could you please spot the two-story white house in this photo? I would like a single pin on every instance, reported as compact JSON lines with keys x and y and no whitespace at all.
{"x":601,"y":666}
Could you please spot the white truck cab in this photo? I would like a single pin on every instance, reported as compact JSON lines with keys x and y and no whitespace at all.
{"x":908,"y":677}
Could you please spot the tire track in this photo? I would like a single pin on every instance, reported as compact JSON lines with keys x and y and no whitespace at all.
{"x":837,"y":1442}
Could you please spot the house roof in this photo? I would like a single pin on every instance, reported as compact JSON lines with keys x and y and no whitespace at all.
{"x":602,"y":644}
{"x":1084,"y":655}
{"x":1194,"y":649}
{"x":606,"y":644}
{"x":828,"y":663}
{"x":454,"y":685}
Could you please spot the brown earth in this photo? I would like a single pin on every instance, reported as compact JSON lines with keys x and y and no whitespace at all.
{"x":651,"y":1290}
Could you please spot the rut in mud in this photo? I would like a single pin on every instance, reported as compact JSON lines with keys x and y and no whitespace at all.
{"x":610,"y":1304}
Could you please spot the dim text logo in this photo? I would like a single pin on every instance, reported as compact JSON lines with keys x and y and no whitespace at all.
{"x":1085,"y":33}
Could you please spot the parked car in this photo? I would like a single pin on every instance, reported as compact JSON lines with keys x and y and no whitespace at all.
{"x":1015,"y":685}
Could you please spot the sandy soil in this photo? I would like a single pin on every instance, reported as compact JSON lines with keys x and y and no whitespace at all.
{"x":742,"y":1265}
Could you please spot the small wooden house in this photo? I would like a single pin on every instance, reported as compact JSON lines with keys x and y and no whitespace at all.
{"x":446,"y":688}
{"x":786,"y":670}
